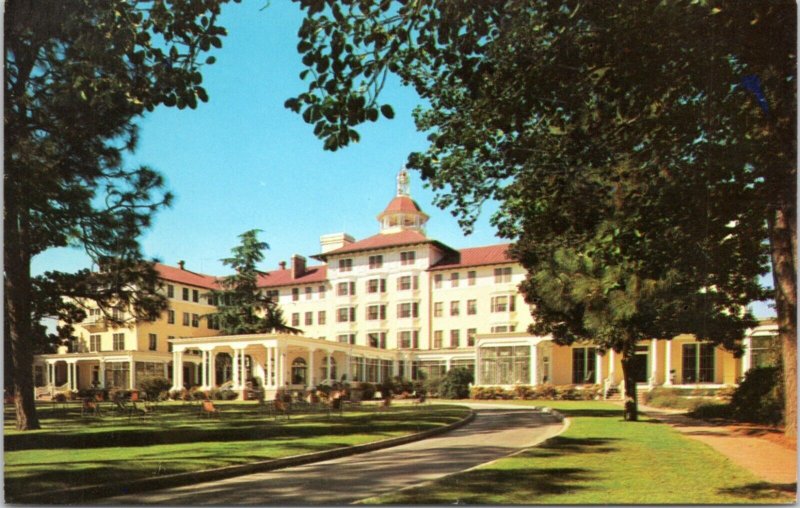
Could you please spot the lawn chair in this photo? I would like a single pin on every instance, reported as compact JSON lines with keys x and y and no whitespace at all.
{"x":207,"y":409}
{"x":90,"y":407}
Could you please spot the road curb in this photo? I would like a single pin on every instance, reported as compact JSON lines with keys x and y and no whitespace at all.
{"x":80,"y":495}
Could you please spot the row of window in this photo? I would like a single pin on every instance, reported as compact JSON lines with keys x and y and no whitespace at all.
{"x":118,"y":342}
{"x":406,"y":339}
{"x":455,"y":338}
{"x":376,"y":261}
{"x":501,"y":275}
{"x":504,"y":303}
{"x":189,"y":295}
{"x":193,"y":320}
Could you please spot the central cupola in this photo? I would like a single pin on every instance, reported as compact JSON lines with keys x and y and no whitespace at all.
{"x":402,"y":213}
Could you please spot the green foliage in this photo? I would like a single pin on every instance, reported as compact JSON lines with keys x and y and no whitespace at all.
{"x":432,"y":386}
{"x":154,"y":386}
{"x":455,"y":384}
{"x":367,"y":391}
{"x":241,"y":306}
{"x":759,"y":397}
{"x":78,"y":74}
{"x":538,"y":392}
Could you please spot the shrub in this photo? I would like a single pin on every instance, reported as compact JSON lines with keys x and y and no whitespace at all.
{"x":367,"y":391}
{"x":153,"y":386}
{"x":455,"y":384}
{"x":709,"y":410}
{"x":566,"y":392}
{"x":759,"y":398}
{"x":545,"y":392}
{"x":433,"y":386}
{"x":591,"y":392}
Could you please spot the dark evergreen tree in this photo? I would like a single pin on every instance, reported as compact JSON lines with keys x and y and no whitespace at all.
{"x":241,"y":306}
{"x":77,"y":75}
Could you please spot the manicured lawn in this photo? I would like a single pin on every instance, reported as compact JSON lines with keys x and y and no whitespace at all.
{"x":602,"y":460}
{"x":73,"y":451}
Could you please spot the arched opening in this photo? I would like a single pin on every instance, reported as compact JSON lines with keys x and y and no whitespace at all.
{"x":223,"y":368}
{"x":299,"y":371}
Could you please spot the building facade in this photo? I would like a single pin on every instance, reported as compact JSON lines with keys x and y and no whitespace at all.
{"x":394,"y":304}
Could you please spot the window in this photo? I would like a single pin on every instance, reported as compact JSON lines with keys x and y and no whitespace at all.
{"x":295,"y":294}
{"x":503,"y":328}
{"x":345,"y":265}
{"x":94,"y":343}
{"x":437,"y":339}
{"x":454,"y":308}
{"x":376,"y":312}
{"x":503,"y":303}
{"x":210,"y":299}
{"x":762,"y":352}
{"x":309,"y":290}
{"x":502,"y":275}
{"x":454,"y":280}
{"x":437,"y":281}
{"x":186,"y":319}
{"x":119,"y":342}
{"x":299,"y":371}
{"x":455,"y":338}
{"x":438,"y":309}
{"x":408,"y":310}
{"x":321,"y":290}
{"x":345,"y":314}
{"x":321,"y":317}
{"x":376,"y":339}
{"x":346,"y":338}
{"x":171,"y":317}
{"x":170,"y":338}
{"x":408,"y":339}
{"x":273,"y":294}
{"x":213,"y":322}
{"x":195,"y":320}
{"x":408,"y":257}
{"x":698,"y":363}
{"x":195,"y":296}
{"x":186,"y":294}
{"x":471,"y":336}
{"x":375,"y":262}
{"x":153,"y":342}
{"x":407,"y":282}
{"x":471,"y":276}
{"x":584,"y":365}
{"x":346,"y":288}
{"x":472,"y":307}
{"x":309,"y":318}
{"x":505,"y":365}
{"x":376,"y":286}
{"x":295,"y":319}
{"x":170,"y":291}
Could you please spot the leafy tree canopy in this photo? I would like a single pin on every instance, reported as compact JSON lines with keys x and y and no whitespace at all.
{"x":77,"y":75}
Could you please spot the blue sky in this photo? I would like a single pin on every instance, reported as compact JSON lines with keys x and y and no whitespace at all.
{"x":243,"y":161}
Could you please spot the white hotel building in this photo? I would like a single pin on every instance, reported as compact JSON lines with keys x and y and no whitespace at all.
{"x":394,"y":304}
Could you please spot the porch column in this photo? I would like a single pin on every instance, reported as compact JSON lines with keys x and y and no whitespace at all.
{"x":598,"y":364}
{"x":203,"y":368}
{"x":407,"y":365}
{"x":281,"y":367}
{"x":70,"y":375}
{"x":101,"y":373}
{"x":668,"y":364}
{"x":268,"y":376}
{"x":478,"y":380}
{"x":447,"y":364}
{"x":50,"y":373}
{"x":328,"y":365}
{"x":534,"y":380}
{"x":747,"y":359}
{"x":395,"y":367}
{"x":212,"y":369}
{"x":311,"y":376}
{"x":132,"y":373}
{"x":611,"y":366}
{"x":235,"y":368}
{"x":654,"y":362}
{"x":47,"y":373}
{"x":166,"y":370}
{"x":177,"y":370}
{"x":347,"y":369}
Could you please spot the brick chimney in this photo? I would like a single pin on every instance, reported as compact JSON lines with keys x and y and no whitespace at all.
{"x":298,"y":266}
{"x":282,"y":264}
{"x":181,"y":263}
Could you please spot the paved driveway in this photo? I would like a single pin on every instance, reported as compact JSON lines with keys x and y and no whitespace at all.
{"x":495,"y":432}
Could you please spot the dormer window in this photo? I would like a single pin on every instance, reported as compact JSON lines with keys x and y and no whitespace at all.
{"x":346,"y":265}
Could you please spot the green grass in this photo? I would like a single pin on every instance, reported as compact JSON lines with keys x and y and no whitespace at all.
{"x":73,"y":451}
{"x":601,"y":459}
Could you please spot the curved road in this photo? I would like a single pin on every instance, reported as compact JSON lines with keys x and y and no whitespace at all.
{"x":497,"y":431}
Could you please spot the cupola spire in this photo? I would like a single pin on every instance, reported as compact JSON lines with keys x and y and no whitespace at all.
{"x":402,"y":213}
{"x":403,"y":182}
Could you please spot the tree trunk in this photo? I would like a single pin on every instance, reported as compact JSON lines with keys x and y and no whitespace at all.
{"x":631,"y":411}
{"x":783,"y":244}
{"x":18,"y":311}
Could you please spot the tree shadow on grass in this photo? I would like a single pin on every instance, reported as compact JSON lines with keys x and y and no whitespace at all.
{"x":762,"y":490}
{"x":591,"y":413}
{"x":561,"y":445}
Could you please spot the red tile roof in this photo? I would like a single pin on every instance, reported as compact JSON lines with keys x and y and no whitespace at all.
{"x":402,"y":204}
{"x":382,"y":241}
{"x":476,"y":256}
{"x":174,"y":274}
{"x":318,"y":273}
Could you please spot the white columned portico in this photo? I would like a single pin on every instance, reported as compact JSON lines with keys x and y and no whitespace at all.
{"x":177,"y":369}
{"x":668,"y":364}
{"x":534,"y":359}
{"x":270,"y":380}
{"x":653,"y":362}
